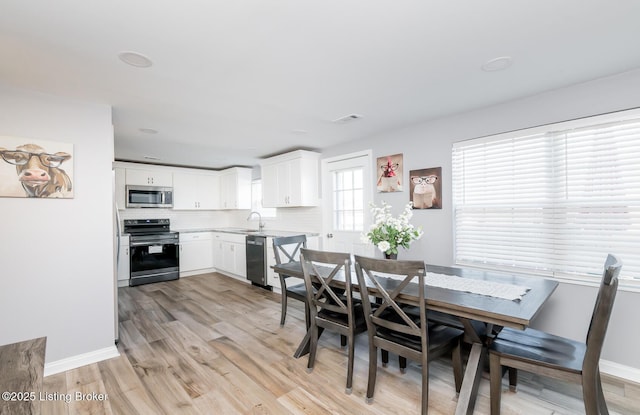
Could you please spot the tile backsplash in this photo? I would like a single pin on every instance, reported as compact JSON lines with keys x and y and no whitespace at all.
{"x":287,"y":219}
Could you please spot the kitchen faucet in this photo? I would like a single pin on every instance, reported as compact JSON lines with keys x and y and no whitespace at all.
{"x":260,"y":222}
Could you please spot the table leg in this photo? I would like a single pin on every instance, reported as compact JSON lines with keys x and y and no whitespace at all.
{"x":471,"y":380}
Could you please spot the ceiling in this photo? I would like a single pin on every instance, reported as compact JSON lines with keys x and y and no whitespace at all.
{"x":233,"y":81}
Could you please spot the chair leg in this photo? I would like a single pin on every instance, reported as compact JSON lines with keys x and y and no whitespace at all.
{"x":313,"y":347}
{"x":402,"y":363}
{"x":602,"y":403}
{"x":385,"y":357}
{"x":513,"y":379}
{"x":283,"y":313}
{"x":425,"y":386}
{"x":456,"y":359}
{"x":351,"y":346}
{"x":495,"y":383}
{"x":590,"y":392}
{"x":307,"y":316}
{"x":373,"y":370}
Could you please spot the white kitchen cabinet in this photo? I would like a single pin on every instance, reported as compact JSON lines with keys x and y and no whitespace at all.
{"x":195,"y":191}
{"x":229,"y":252}
{"x":149,"y":177}
{"x":123,"y":261}
{"x":235,"y":188}
{"x":290,"y":179}
{"x":196,"y":251}
{"x":120,"y":194}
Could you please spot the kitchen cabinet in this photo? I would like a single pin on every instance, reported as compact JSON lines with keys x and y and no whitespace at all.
{"x":229,"y":252}
{"x":123,"y":261}
{"x":149,"y":177}
{"x":196,"y":191}
{"x":290,"y":180}
{"x":120,"y":193}
{"x":235,"y":188}
{"x":196,"y":251}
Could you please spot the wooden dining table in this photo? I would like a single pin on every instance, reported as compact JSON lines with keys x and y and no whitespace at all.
{"x":481,"y":316}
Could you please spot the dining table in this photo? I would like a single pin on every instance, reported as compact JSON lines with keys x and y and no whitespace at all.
{"x":482,"y":316}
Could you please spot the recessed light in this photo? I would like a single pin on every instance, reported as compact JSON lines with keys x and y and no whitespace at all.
{"x":497,"y":64}
{"x":148,"y":130}
{"x":135,"y":59}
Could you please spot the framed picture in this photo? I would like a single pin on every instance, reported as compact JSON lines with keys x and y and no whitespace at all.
{"x":35,"y":168}
{"x":389,"y":173}
{"x":426,"y":188}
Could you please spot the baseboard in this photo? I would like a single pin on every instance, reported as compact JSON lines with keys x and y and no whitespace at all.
{"x":74,"y":362}
{"x":196,"y":272}
{"x":626,"y":373}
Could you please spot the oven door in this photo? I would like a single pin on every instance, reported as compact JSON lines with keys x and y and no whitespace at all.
{"x":153,"y":261}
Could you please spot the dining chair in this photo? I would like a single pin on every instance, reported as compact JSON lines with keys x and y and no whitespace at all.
{"x":553,"y":356}
{"x":391,"y":328}
{"x":287,"y":249}
{"x":330,"y":308}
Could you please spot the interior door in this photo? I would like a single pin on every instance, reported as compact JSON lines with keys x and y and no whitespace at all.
{"x":346,"y":193}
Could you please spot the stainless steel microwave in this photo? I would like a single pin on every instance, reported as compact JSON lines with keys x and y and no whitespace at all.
{"x":149,"y":197}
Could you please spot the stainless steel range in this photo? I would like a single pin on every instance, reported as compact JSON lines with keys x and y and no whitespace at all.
{"x":154,"y":251}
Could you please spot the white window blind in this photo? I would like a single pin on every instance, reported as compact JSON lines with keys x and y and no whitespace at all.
{"x":553,"y":200}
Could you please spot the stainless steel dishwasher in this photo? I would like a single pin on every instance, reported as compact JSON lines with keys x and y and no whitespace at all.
{"x":257,"y":260}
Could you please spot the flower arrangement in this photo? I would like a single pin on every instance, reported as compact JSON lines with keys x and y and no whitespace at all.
{"x":388,"y":233}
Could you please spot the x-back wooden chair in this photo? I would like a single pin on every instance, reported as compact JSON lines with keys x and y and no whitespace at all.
{"x":287,"y":249}
{"x":558,"y":357}
{"x":391,"y":328}
{"x":330,"y":308}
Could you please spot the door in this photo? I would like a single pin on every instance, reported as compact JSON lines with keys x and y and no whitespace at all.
{"x":346,"y":193}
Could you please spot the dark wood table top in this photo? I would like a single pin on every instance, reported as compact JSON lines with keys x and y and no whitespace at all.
{"x":501,"y":312}
{"x":21,"y":376}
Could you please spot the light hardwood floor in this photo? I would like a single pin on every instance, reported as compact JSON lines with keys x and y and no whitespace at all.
{"x":210,"y":344}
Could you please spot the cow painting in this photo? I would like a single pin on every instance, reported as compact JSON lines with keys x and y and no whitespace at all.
{"x":38,"y":171}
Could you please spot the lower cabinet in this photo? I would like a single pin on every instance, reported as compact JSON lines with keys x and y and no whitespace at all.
{"x":229,"y":254}
{"x":123,"y":261}
{"x":196,"y":252}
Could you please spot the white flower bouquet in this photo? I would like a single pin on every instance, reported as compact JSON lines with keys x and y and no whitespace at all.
{"x":388,"y":233}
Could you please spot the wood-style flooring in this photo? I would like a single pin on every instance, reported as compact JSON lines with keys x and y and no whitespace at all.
{"x":209,"y":344}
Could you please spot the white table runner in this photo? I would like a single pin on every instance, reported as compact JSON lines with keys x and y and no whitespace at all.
{"x":489,"y":288}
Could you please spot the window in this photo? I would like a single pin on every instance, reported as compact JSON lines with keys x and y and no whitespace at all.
{"x":348,"y":209}
{"x":553,"y":200}
{"x":256,"y":201}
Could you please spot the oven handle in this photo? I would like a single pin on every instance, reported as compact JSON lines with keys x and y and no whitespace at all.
{"x":150,"y":243}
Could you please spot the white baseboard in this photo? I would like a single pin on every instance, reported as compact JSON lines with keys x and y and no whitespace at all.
{"x":74,"y":362}
{"x":617,"y":370}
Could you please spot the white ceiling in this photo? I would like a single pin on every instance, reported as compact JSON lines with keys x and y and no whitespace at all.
{"x":233,"y":81}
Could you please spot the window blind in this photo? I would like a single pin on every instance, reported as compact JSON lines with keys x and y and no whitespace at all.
{"x":552,"y":200}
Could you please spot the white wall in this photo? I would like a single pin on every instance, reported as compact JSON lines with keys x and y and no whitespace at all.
{"x":57,"y":255}
{"x":429,"y":145}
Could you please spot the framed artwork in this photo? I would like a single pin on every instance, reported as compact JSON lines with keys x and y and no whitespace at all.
{"x":426,"y":188}
{"x":35,"y":168}
{"x":389,"y":173}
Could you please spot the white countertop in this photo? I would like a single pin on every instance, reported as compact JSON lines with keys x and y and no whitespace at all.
{"x":249,"y":231}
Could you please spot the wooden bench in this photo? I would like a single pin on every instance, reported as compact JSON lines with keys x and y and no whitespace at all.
{"x":21,"y":375}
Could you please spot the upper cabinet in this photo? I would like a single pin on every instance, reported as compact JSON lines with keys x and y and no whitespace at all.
{"x":149,"y":177}
{"x":235,"y":188}
{"x":196,"y":191}
{"x":290,"y":179}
